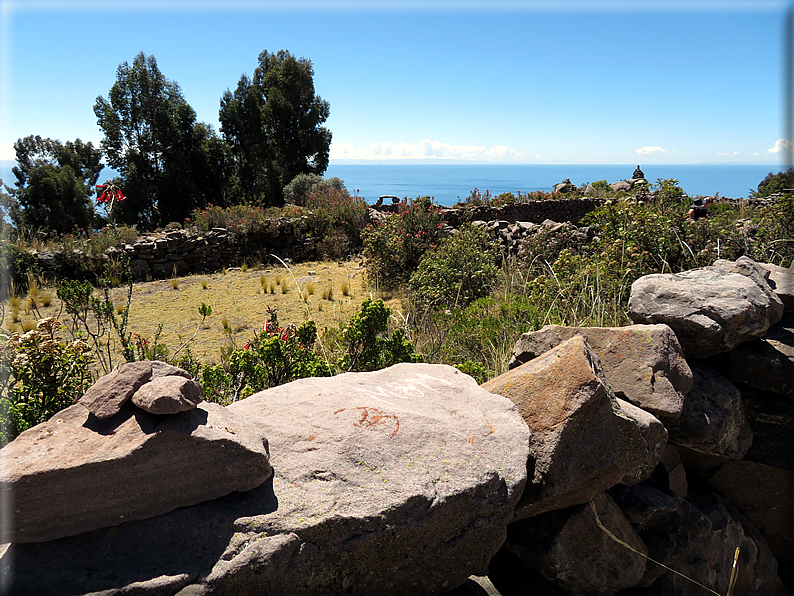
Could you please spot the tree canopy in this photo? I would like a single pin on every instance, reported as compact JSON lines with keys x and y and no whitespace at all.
{"x":168,"y":162}
{"x":55,"y":182}
{"x":273,"y":124}
{"x":774,"y":183}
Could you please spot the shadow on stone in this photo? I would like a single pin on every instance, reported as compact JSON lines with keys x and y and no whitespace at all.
{"x":175,"y":548}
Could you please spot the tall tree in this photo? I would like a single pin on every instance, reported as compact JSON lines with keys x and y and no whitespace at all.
{"x":273,"y":124}
{"x":169,"y":163}
{"x":55,"y":182}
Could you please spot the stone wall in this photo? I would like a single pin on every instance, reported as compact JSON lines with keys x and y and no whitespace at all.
{"x":160,"y":255}
{"x":673,"y":436}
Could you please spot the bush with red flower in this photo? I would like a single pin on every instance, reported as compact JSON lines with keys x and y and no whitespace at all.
{"x":395,"y":246}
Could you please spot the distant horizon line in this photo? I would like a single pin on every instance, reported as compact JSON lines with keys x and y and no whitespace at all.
{"x":415,"y":162}
{"x":419,"y":162}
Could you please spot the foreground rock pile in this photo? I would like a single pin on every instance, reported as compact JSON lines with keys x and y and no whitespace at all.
{"x":598,"y":450}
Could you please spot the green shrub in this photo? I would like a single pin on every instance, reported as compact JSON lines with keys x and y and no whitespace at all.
{"x":458,"y":271}
{"x":334,"y":211}
{"x":17,"y":263}
{"x":395,"y":246}
{"x":774,"y":183}
{"x":40,"y":374}
{"x":478,"y":339}
{"x":366,"y":343}
{"x":275,"y":356}
{"x":302,"y":185}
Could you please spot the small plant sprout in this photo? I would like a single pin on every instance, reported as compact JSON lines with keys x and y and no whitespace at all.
{"x":175,"y":283}
{"x":244,"y":268}
{"x":310,"y":288}
{"x":225,"y":325}
{"x":264,"y":284}
{"x":203,"y":284}
{"x":345,"y":288}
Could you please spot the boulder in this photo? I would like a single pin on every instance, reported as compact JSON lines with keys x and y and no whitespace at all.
{"x":390,"y":482}
{"x":106,"y":397}
{"x":642,"y":363}
{"x":168,"y":395}
{"x":655,"y":436}
{"x":711,"y":556}
{"x":710,"y":310}
{"x":577,"y":550}
{"x":760,"y":486}
{"x":782,"y":282}
{"x":582,"y":442}
{"x":663,"y":520}
{"x":713,"y":419}
{"x":760,"y":275}
{"x":766,"y":364}
{"x":622,"y":185}
{"x":76,"y":472}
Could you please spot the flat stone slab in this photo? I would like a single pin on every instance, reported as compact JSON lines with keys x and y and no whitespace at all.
{"x":390,"y":482}
{"x":76,"y":472}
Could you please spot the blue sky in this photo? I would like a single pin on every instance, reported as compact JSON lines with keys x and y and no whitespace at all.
{"x":515,"y":82}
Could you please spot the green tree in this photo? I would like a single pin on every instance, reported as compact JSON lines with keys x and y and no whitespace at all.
{"x":273,"y":124}
{"x":774,"y":183}
{"x":169,"y":163}
{"x":54,"y":184}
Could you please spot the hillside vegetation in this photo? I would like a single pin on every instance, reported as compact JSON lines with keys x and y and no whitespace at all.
{"x":452,"y":296}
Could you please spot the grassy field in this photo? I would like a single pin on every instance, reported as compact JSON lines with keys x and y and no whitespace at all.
{"x":327,"y":292}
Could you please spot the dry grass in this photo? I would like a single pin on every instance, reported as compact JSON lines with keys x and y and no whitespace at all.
{"x":237,"y":297}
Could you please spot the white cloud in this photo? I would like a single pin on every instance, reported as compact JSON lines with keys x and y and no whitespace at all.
{"x":650,"y":151}
{"x":734,"y":153}
{"x":781,"y":145}
{"x":424,"y":150}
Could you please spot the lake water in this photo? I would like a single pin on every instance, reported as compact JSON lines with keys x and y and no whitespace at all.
{"x":448,"y":183}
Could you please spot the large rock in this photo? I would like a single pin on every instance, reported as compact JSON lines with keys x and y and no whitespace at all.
{"x":710,"y":310}
{"x":766,"y":364}
{"x":571,"y":549}
{"x":643,"y":363}
{"x":653,"y":433}
{"x":665,"y":522}
{"x":582,"y":442}
{"x":106,"y":397}
{"x":713,"y":419}
{"x":782,"y":282}
{"x":760,"y":275}
{"x":391,"y":482}
{"x":76,"y":472}
{"x":711,"y":556}
{"x":168,"y":395}
{"x":761,"y":485}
